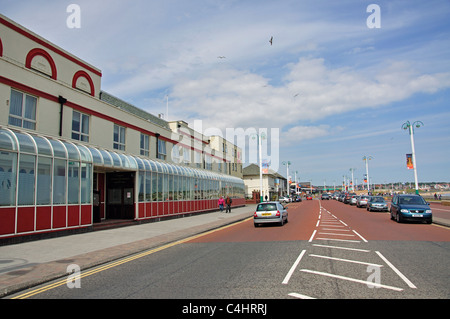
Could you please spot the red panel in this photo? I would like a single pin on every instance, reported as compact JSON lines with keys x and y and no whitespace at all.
{"x":43,"y":217}
{"x":141,"y":207}
{"x":86,"y":215}
{"x":73,"y":215}
{"x":59,"y":216}
{"x":25,"y":219}
{"x":160,"y":208}
{"x":166,"y":208}
{"x":7,"y":220}
{"x":154,"y":209}
{"x":148,"y":209}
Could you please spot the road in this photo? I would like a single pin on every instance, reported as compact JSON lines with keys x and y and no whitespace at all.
{"x":327,"y":250}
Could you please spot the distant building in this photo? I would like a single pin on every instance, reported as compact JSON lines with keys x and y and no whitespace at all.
{"x":273,"y":184}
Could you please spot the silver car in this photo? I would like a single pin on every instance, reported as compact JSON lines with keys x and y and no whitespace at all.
{"x":270,"y":212}
{"x":362,"y":201}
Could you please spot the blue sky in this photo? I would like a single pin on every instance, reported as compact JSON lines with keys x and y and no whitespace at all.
{"x":335,"y":89}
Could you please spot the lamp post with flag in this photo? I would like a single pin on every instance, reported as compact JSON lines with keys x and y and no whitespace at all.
{"x":408,"y":126}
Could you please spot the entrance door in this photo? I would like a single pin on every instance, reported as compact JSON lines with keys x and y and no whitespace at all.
{"x":120,"y":195}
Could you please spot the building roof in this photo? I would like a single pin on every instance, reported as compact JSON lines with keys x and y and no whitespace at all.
{"x":253,"y":170}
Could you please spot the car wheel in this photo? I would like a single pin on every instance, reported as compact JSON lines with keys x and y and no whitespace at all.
{"x":398,"y":218}
{"x":392,"y":216}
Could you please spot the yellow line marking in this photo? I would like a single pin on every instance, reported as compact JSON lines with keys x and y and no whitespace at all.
{"x":123,"y":261}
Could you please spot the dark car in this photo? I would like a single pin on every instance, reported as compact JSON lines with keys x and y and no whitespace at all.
{"x":410,"y":208}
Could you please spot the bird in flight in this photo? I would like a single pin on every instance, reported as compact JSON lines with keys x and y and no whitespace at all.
{"x":221,"y":57}
{"x":271,"y":39}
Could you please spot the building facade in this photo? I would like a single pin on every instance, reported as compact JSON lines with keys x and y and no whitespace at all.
{"x":72,"y":155}
{"x":273,"y":184}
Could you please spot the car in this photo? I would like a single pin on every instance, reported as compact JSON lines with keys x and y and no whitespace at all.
{"x":284,"y":199}
{"x":308,"y":197}
{"x":270,"y":212}
{"x":377,"y":203}
{"x":341,"y":197}
{"x":410,"y":207}
{"x":298,"y":198}
{"x":362,"y":200}
{"x":353,"y":199}
{"x":346,"y":199}
{"x":325,"y":196}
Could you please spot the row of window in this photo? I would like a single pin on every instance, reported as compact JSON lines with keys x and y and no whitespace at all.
{"x":163,"y":187}
{"x":22,"y":113}
{"x":42,"y":180}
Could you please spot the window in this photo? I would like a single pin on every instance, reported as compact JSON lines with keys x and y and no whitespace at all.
{"x":22,"y":110}
{"x":80,"y":126}
{"x":119,"y":137}
{"x":176,"y":153}
{"x":44,"y":181}
{"x":26,"y":180}
{"x":8,"y":173}
{"x":161,"y":150}
{"x":145,"y":145}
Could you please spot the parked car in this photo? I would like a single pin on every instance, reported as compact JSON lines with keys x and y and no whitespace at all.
{"x":341,"y":197}
{"x":347,"y":197}
{"x":270,"y":212}
{"x":353,"y":199}
{"x":325,"y":196}
{"x":308,"y":197}
{"x":377,"y":203}
{"x":298,"y":198}
{"x":410,"y":208}
{"x":284,"y":199}
{"x":362,"y":200}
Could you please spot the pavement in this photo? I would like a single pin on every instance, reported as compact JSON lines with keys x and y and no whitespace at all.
{"x":28,"y":264}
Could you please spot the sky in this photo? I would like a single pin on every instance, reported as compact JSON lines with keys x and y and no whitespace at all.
{"x":336,"y":84}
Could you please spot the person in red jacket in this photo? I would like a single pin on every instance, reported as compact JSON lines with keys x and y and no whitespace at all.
{"x":221,"y":202}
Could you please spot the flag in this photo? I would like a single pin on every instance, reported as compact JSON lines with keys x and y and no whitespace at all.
{"x":409,"y":162}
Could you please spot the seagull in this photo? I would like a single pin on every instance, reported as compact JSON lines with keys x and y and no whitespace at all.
{"x":271,"y":38}
{"x":221,"y":57}
{"x":296,"y":94}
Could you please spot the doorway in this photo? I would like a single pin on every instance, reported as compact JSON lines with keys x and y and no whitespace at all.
{"x":120,"y":195}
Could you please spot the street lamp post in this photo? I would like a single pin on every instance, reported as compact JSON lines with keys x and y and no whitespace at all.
{"x":410,"y":127}
{"x":366,"y":159}
{"x":260,"y":165}
{"x":287,"y":177}
{"x":353,"y":184}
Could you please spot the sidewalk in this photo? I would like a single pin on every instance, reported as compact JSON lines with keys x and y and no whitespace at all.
{"x":28,"y":264}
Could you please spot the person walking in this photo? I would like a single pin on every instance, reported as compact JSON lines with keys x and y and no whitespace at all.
{"x":228,"y":201}
{"x":221,"y":202}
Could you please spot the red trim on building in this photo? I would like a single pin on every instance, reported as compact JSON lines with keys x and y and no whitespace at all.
{"x":48,"y":46}
{"x":43,"y":53}
{"x":83,"y":74}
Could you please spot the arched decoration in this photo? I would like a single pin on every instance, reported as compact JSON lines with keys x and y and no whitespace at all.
{"x":83,"y":74}
{"x":39,"y":52}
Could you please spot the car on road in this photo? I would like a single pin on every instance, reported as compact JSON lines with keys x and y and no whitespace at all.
{"x":347,"y":197}
{"x":362,"y":200}
{"x":377,"y":203}
{"x":298,"y":198}
{"x":325,"y":196}
{"x":284,"y":199}
{"x":353,"y":199}
{"x":407,"y":207}
{"x":270,"y":212}
{"x":308,"y":197}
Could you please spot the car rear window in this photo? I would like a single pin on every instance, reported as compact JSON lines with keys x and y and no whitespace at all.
{"x":266,"y":207}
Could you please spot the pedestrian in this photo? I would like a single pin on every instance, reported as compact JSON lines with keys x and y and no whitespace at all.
{"x":221,"y":202}
{"x":228,"y":201}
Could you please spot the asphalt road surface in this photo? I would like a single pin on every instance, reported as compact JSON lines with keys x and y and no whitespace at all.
{"x":327,"y":250}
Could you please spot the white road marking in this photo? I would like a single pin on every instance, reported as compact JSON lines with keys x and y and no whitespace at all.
{"x":346,"y":260}
{"x":291,"y":271}
{"x":409,"y":283}
{"x":347,"y":240}
{"x":360,"y":236}
{"x":351,"y":279}
{"x":300,"y":296}
{"x":312,"y":236}
{"x":344,"y":248}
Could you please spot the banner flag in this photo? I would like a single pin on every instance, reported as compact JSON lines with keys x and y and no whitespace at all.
{"x":409,"y":162}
